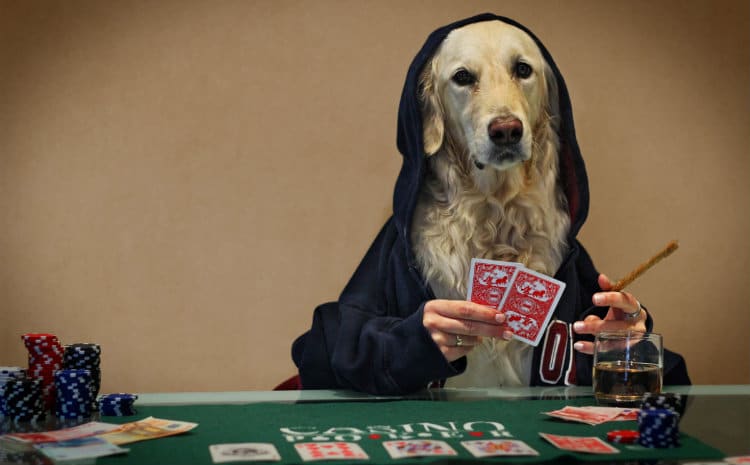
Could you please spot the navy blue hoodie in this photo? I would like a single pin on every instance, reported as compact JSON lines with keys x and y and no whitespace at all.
{"x":372,"y":339}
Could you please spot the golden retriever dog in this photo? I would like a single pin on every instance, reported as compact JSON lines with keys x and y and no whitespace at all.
{"x":489,"y":106}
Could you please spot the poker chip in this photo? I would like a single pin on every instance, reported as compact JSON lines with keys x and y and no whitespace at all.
{"x":117,"y":404}
{"x":23,"y":399}
{"x":663,"y":400}
{"x":6,"y":374}
{"x":623,"y":436}
{"x":45,"y":357}
{"x":85,"y":356}
{"x":658,"y":428}
{"x":73,"y":394}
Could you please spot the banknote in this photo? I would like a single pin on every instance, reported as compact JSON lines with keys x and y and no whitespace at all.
{"x":91,"y":428}
{"x":81,"y":448}
{"x":148,"y":428}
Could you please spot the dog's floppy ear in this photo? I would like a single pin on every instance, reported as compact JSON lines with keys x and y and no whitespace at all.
{"x":433,"y":126}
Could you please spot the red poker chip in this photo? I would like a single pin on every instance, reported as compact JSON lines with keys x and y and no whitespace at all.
{"x":623,"y":436}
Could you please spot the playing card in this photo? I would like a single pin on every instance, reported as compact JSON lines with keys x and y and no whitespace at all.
{"x":489,"y":280}
{"x":588,"y":415}
{"x":417,"y":448}
{"x":244,"y":452}
{"x":591,"y":444}
{"x":529,"y":304}
{"x":309,"y":451}
{"x":498,"y":447}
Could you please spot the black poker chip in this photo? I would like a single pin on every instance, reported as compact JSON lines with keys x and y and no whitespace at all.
{"x":663,"y":400}
{"x":6,"y":374}
{"x":24,"y":399}
{"x":85,"y":356}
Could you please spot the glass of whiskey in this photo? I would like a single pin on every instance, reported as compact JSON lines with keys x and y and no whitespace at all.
{"x":627,"y":364}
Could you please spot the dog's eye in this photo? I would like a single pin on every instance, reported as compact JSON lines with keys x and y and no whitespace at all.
{"x":523,"y":70}
{"x":464,"y":78}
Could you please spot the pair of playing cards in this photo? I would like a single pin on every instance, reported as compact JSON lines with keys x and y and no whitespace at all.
{"x":527,"y":298}
{"x":477,"y":448}
{"x":265,"y":452}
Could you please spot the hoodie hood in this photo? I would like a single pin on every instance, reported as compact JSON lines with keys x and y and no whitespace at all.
{"x":410,"y":138}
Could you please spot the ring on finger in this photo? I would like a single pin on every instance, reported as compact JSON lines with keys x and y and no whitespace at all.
{"x":634,"y":316}
{"x":459,"y":341}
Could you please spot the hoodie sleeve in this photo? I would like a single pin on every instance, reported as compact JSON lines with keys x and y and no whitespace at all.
{"x":372,"y":339}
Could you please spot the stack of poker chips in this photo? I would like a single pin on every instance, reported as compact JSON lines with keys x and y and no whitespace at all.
{"x":45,"y":357}
{"x":85,"y":357}
{"x":24,"y":399}
{"x":658,"y":427}
{"x":6,"y":374}
{"x":659,"y":419}
{"x":117,"y":405}
{"x":73,"y":391}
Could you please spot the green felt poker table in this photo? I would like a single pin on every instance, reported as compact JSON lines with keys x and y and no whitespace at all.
{"x":715,"y":425}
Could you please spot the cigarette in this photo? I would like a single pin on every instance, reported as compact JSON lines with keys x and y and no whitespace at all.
{"x":643,"y":267}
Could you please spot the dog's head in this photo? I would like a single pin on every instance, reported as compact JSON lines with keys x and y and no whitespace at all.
{"x":485,"y":92}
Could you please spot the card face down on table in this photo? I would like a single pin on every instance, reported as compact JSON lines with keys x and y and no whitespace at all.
{"x":587,"y":444}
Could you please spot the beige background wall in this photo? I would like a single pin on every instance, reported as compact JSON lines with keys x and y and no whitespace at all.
{"x":184,"y":181}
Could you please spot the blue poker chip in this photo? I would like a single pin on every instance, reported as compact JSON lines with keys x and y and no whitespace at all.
{"x":74,"y":398}
{"x":117,"y":404}
{"x":658,"y":427}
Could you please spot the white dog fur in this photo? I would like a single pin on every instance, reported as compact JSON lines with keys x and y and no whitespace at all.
{"x":481,"y":199}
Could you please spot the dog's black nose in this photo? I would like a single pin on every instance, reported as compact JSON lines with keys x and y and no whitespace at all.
{"x":505,"y":131}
